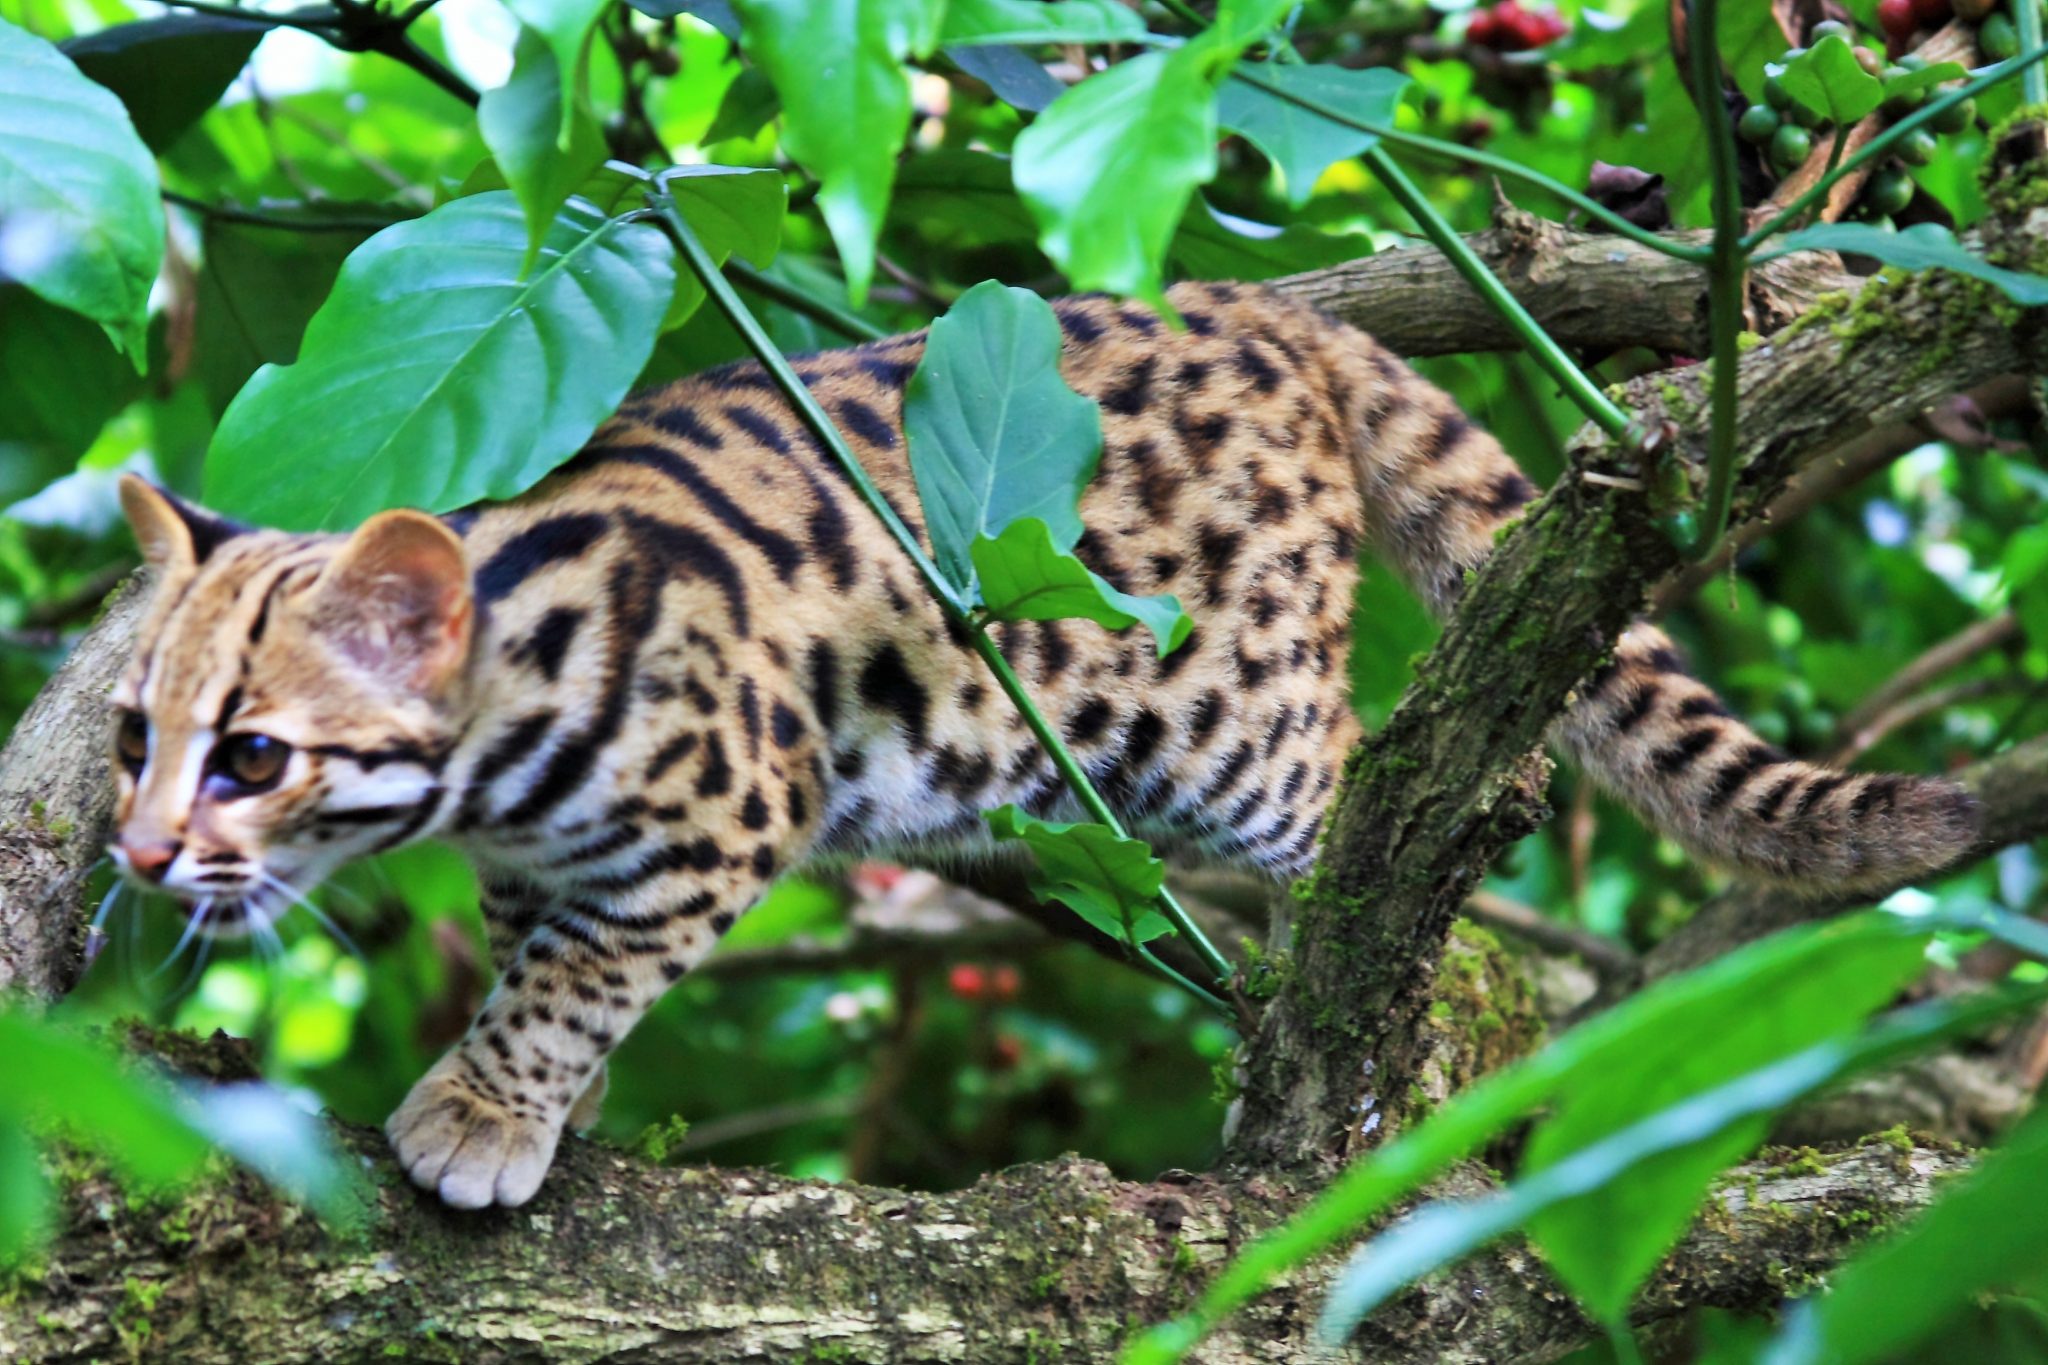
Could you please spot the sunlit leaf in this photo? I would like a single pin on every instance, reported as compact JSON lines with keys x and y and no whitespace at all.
{"x":1109,"y":881}
{"x":521,"y":123}
{"x":1033,"y":21}
{"x":1024,"y":577}
{"x":56,"y":1076}
{"x":80,"y":222}
{"x":24,"y":1195}
{"x":436,"y":374}
{"x":565,"y":26}
{"x":838,"y":68}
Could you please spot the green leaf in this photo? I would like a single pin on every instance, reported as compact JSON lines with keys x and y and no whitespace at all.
{"x":1603,"y":1246}
{"x":55,"y":1075}
{"x":80,"y":222}
{"x":1441,"y":1233}
{"x":1923,"y":78}
{"x":1989,"y":1231}
{"x":1924,"y":246}
{"x":1016,"y":77}
{"x":732,"y":209}
{"x":971,"y":22}
{"x":995,"y":433}
{"x":1299,"y":143}
{"x":1025,"y":577}
{"x":1828,"y":79}
{"x":1750,"y":996}
{"x":24,"y":1196}
{"x":521,"y":121}
{"x":749,"y":103}
{"x":1109,"y":881}
{"x":838,"y":67}
{"x":60,"y":380}
{"x":1214,"y":245}
{"x":1109,"y":168}
{"x":565,"y":26}
{"x":259,"y":286}
{"x":168,"y":71}
{"x":1750,"y":37}
{"x":436,"y":375}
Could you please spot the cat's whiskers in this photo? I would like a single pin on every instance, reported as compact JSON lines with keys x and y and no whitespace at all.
{"x":293,"y":897}
{"x":194,"y":924}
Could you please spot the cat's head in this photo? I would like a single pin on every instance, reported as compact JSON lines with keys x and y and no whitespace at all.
{"x":290,"y":703}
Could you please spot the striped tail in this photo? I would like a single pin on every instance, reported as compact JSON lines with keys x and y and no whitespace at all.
{"x":1437,"y":489}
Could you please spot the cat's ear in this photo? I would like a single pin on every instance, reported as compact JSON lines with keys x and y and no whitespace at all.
{"x":397,"y":598}
{"x":173,"y":534}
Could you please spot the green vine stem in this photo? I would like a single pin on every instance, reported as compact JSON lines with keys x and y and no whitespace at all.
{"x":1602,"y":410}
{"x":670,"y":218}
{"x":849,"y":325}
{"x":2026,"y":15}
{"x":1472,"y":156}
{"x":1883,"y":142}
{"x":1727,"y":270}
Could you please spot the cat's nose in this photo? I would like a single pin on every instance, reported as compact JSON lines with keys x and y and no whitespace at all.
{"x":151,"y":861}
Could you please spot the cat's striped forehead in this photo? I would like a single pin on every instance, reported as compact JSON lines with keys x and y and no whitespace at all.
{"x":210,"y":635}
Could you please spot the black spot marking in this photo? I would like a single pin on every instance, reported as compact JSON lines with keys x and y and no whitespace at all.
{"x":549,"y":643}
{"x":715,"y":777}
{"x":682,"y":424}
{"x":1087,"y":724}
{"x":866,"y":424}
{"x":886,"y":684}
{"x":1254,"y":366}
{"x":1133,"y":391}
{"x":670,"y":754}
{"x":784,"y":725}
{"x":754,"y":810}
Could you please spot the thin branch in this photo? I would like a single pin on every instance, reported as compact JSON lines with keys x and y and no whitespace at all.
{"x":1931,"y":703}
{"x":1979,"y":637}
{"x":1599,"y":952}
{"x":228,"y":213}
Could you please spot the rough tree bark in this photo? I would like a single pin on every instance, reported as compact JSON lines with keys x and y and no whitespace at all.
{"x":621,"y":1261}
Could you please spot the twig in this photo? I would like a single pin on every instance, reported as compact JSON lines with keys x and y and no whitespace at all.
{"x":1852,"y":743}
{"x":228,"y":213}
{"x":1599,"y":952}
{"x":1980,"y":637}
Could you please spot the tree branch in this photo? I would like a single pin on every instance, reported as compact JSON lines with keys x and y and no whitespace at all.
{"x":617,"y":1260}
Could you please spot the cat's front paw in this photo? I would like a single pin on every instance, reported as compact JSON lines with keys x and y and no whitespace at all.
{"x":466,"y":1147}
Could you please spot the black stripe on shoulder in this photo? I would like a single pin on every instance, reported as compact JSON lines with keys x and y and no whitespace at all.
{"x":539,"y":545}
{"x":683,"y":424}
{"x":782,"y":553}
{"x":682,"y":550}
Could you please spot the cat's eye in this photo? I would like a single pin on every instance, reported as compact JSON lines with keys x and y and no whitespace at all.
{"x":250,"y":762}
{"x":131,"y":740}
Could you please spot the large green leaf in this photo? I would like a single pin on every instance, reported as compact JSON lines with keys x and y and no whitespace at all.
{"x":80,"y":222}
{"x":436,"y":374}
{"x":1604,"y":1244}
{"x":565,"y":26}
{"x":1299,"y":143}
{"x":995,"y":433}
{"x":838,"y":66}
{"x":1924,"y":246}
{"x":521,"y":124}
{"x":1901,"y":1300}
{"x":1025,"y":577}
{"x":1441,"y":1233}
{"x":970,"y":22}
{"x":1109,"y":881}
{"x":168,"y":71}
{"x":1751,"y":994}
{"x":1109,"y":168}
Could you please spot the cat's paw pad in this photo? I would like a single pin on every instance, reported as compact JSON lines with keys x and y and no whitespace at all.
{"x":467,"y":1148}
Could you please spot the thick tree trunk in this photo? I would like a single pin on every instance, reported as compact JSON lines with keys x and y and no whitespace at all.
{"x":621,"y":1261}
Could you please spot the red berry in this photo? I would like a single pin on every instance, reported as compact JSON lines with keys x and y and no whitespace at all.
{"x":1484,"y":30}
{"x":1933,"y":13}
{"x":1004,"y":983}
{"x":1554,"y":28}
{"x":967,"y":981}
{"x":1007,"y":1052}
{"x":1897,"y":19}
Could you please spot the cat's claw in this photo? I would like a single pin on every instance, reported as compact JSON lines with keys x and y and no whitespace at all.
{"x":470,"y":1151}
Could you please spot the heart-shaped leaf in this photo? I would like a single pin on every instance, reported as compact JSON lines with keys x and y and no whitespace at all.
{"x":1828,"y":79}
